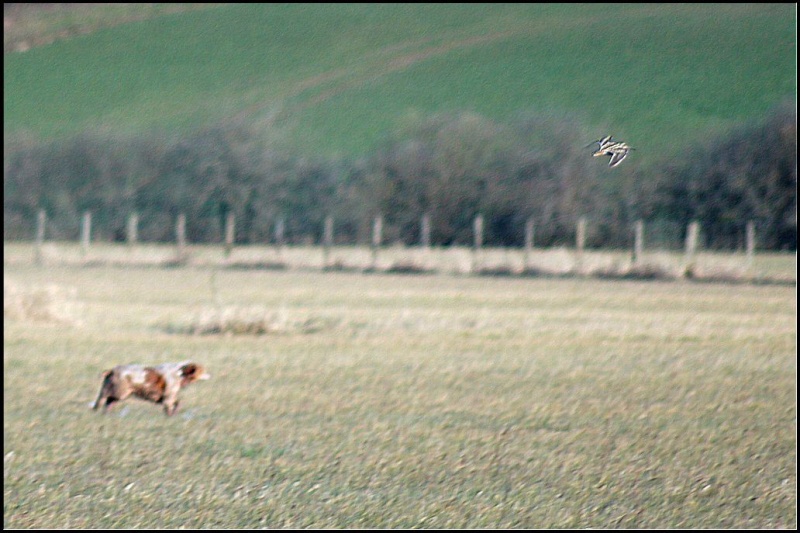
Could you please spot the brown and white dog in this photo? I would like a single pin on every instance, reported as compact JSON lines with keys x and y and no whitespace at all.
{"x":157,"y":384}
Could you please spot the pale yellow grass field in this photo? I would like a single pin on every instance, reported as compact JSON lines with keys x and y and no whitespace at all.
{"x":405,"y":401}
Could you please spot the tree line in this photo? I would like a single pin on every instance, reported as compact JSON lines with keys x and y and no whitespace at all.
{"x":449,"y":167}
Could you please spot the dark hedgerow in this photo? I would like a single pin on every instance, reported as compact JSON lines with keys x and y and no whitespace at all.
{"x":450,"y":167}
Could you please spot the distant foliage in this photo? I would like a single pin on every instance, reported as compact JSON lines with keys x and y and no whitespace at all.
{"x":456,"y":167}
{"x":749,"y":175}
{"x":450,"y":167}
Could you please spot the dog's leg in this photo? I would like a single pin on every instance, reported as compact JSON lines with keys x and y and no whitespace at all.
{"x":171,"y":407}
{"x":106,"y":395}
{"x":109,"y":401}
{"x":103,"y":399}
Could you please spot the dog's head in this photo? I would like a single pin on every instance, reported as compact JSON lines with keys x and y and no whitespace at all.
{"x":191,"y":372}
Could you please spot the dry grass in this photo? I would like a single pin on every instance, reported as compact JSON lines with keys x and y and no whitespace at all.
{"x":46,"y":303}
{"x":423,"y":401}
{"x":554,"y":262}
{"x":250,"y":320}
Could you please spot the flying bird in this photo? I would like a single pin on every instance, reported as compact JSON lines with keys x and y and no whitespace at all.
{"x":616,"y":150}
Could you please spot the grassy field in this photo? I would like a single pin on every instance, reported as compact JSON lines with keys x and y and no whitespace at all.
{"x":341,"y":77}
{"x":403,"y":401}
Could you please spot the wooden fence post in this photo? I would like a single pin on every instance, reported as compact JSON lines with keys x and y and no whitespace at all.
{"x":327,"y":241}
{"x":280,"y":234}
{"x":580,"y":241}
{"x":180,"y":236}
{"x":377,"y":239}
{"x":41,"y":220}
{"x":691,"y":239}
{"x":477,"y":244}
{"x":750,"y":238}
{"x":528,"y":242}
{"x":692,"y":234}
{"x":230,"y":232}
{"x":426,"y":231}
{"x":133,"y":228}
{"x":86,"y":232}
{"x":638,"y":241}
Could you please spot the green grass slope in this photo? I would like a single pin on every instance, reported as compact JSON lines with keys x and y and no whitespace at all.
{"x":341,"y":77}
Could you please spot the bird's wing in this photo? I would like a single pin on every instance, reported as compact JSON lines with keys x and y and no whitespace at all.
{"x":617,"y":157}
{"x":600,"y":142}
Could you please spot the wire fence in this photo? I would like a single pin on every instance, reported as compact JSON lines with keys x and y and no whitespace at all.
{"x":641,"y":261}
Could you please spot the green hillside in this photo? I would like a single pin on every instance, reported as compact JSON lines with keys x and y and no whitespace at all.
{"x":342,"y":77}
